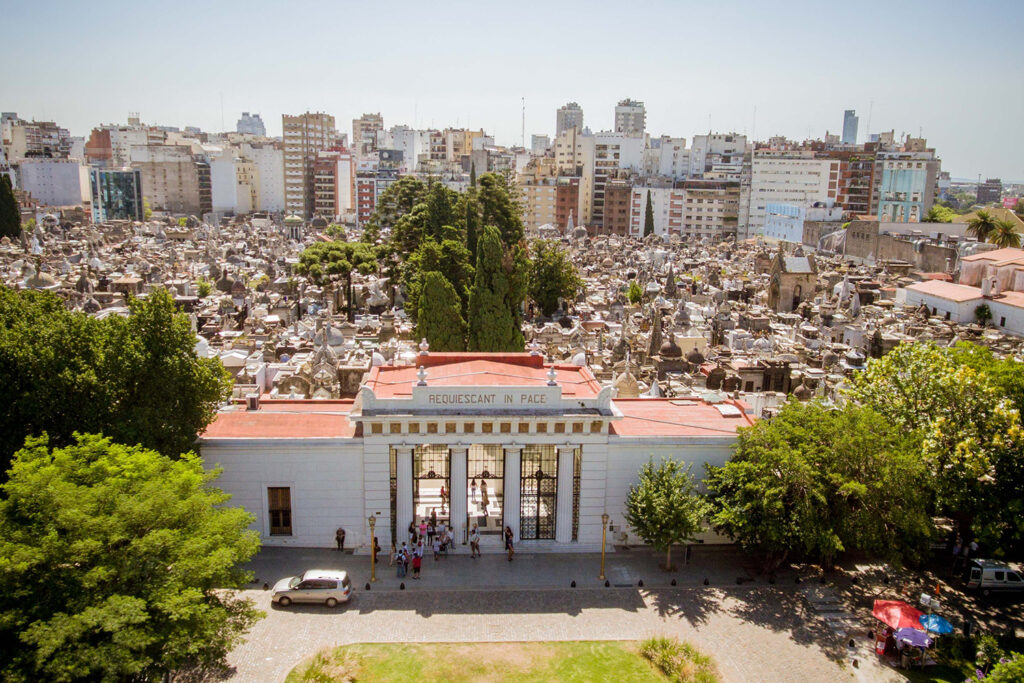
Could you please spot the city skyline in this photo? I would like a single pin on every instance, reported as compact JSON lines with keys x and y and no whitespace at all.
{"x":799,"y":88}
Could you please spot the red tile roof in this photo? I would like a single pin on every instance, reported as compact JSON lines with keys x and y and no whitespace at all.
{"x":671,"y":417}
{"x":388,"y":381}
{"x":946,"y":290}
{"x":285,"y":420}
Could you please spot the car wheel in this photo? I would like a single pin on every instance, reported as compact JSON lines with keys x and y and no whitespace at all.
{"x":331,"y":602}
{"x":284,"y":602}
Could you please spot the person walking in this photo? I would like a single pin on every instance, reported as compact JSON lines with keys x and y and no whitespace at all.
{"x":485,"y":500}
{"x":431,"y":532}
{"x":376,"y":549}
{"x":423,"y":528}
{"x":400,"y":559}
{"x":339,"y":538}
{"x":412,"y":531}
{"x":474,"y":543}
{"x":436,"y":545}
{"x":472,"y":490}
{"x":508,"y":543}
{"x":444,"y":498}
{"x":433,"y":517}
{"x":417,"y":561}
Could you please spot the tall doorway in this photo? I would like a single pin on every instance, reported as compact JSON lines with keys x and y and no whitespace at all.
{"x":485,"y":487}
{"x":431,"y":483}
{"x":538,"y":492}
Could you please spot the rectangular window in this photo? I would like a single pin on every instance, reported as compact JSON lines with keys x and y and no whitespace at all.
{"x":279,"y":504}
{"x":524,"y":427}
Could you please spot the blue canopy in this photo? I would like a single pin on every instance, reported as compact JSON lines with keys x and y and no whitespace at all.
{"x":936,"y":624}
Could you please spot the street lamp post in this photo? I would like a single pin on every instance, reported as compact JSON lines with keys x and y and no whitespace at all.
{"x":373,"y":550}
{"x":604,"y":536}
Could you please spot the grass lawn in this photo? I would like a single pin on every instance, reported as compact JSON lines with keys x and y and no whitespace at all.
{"x":453,"y":662}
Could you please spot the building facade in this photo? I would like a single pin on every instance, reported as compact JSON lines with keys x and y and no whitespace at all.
{"x":850,"y":121}
{"x":251,"y":124}
{"x":541,"y":449}
{"x":305,"y":136}
{"x":568,"y":116}
{"x":630,"y":118}
{"x":54,"y":182}
{"x":116,"y":194}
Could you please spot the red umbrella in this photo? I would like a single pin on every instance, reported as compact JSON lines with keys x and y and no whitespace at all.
{"x":897,"y":614}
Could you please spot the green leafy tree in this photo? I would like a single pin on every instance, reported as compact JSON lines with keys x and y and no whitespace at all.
{"x":182,"y":222}
{"x":664,"y":508}
{"x":325,"y":262}
{"x":1007,"y":670}
{"x":117,"y":564}
{"x":969,"y":431}
{"x":496,"y":298}
{"x":203,"y":287}
{"x":649,"y":216}
{"x":147,"y":210}
{"x":398,"y":200}
{"x":552,"y":276}
{"x":136,"y":379}
{"x":816,"y":482}
{"x":450,"y":258}
{"x":635,"y":293}
{"x":982,"y":225}
{"x":498,"y":208}
{"x":10,"y":214}
{"x":433,"y":218}
{"x":939,"y":214}
{"x":440,"y":319}
{"x":335,"y":232}
{"x":983,"y":314}
{"x":1005,"y":234}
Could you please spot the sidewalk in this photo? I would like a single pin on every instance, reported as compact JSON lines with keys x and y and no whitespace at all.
{"x":720,"y":565}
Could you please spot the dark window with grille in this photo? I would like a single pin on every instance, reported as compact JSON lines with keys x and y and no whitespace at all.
{"x":538,"y":492}
{"x":279,"y":503}
{"x":393,"y":487}
{"x":577,"y":466}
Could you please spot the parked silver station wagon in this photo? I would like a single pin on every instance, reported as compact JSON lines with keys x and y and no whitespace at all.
{"x":324,"y":586}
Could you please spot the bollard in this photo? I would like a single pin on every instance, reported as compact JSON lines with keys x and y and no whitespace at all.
{"x":640,"y":583}
{"x":401,"y":586}
{"x":607,"y":584}
{"x":367,"y":586}
{"x":673,"y":582}
{"x":706,"y":582}
{"x":266,"y":586}
{"x":572,"y":585}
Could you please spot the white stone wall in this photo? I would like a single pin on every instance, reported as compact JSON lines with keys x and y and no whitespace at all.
{"x":627,"y":456}
{"x":327,"y":480}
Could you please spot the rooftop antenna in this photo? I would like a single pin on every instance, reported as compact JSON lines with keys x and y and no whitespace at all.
{"x":523,"y":139}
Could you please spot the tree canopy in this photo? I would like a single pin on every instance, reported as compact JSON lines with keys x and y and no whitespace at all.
{"x":961,"y":405}
{"x":440,"y":319}
{"x":816,"y":481}
{"x":114,"y":562}
{"x":10,"y":214}
{"x":664,"y":508}
{"x":649,"y":216}
{"x":552,"y":276}
{"x":981,"y":225}
{"x":939,"y":214}
{"x":451,"y":258}
{"x":322,"y":261}
{"x":498,"y":207}
{"x":136,"y":379}
{"x":496,"y":298}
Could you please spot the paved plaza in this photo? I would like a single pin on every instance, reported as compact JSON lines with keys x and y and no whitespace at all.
{"x":756,"y":631}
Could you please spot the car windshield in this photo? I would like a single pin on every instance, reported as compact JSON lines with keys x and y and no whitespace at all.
{"x":294,"y":581}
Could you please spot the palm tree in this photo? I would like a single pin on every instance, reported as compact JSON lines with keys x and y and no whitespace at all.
{"x":1004,"y":234}
{"x":981,"y":225}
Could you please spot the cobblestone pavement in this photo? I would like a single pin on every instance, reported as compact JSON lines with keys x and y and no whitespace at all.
{"x":755,"y":634}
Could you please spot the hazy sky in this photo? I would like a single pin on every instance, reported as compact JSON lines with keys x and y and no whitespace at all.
{"x":952,"y":71}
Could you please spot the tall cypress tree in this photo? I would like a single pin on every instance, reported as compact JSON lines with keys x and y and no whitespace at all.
{"x":649,"y":216}
{"x":10,"y":214}
{"x":493,"y":309}
{"x":440,"y":315}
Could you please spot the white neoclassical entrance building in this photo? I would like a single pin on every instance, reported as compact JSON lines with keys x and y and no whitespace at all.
{"x":490,"y":440}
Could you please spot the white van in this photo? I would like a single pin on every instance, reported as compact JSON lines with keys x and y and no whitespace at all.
{"x":989,"y":575}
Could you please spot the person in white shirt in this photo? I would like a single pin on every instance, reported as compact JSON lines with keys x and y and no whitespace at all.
{"x":474,"y":543}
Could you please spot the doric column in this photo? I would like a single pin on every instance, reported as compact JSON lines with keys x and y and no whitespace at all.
{"x":563,"y":508}
{"x":511,"y":511}
{"x":457,"y":491}
{"x":403,"y":505}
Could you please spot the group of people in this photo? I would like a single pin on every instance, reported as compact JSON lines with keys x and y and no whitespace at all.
{"x":436,"y":535}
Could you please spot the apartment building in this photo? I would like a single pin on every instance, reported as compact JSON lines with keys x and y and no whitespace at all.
{"x":718,"y":153}
{"x":234,"y":183}
{"x":334,"y":183}
{"x":905,"y":185}
{"x":173,"y":179}
{"x":365,"y":130}
{"x":616,"y":155}
{"x":568,"y":116}
{"x":547,"y":196}
{"x":251,"y":124}
{"x":712,"y":209}
{"x":373,"y":177}
{"x":116,"y":194}
{"x":630,"y":118}
{"x":616,"y":209}
{"x":305,"y":136}
{"x":662,"y":198}
{"x":37,"y":139}
{"x":54,"y":182}
{"x":792,"y":177}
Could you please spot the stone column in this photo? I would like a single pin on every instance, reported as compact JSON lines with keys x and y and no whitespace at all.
{"x":563,"y":509}
{"x":457,"y":492}
{"x":511,"y":512}
{"x":403,"y":505}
